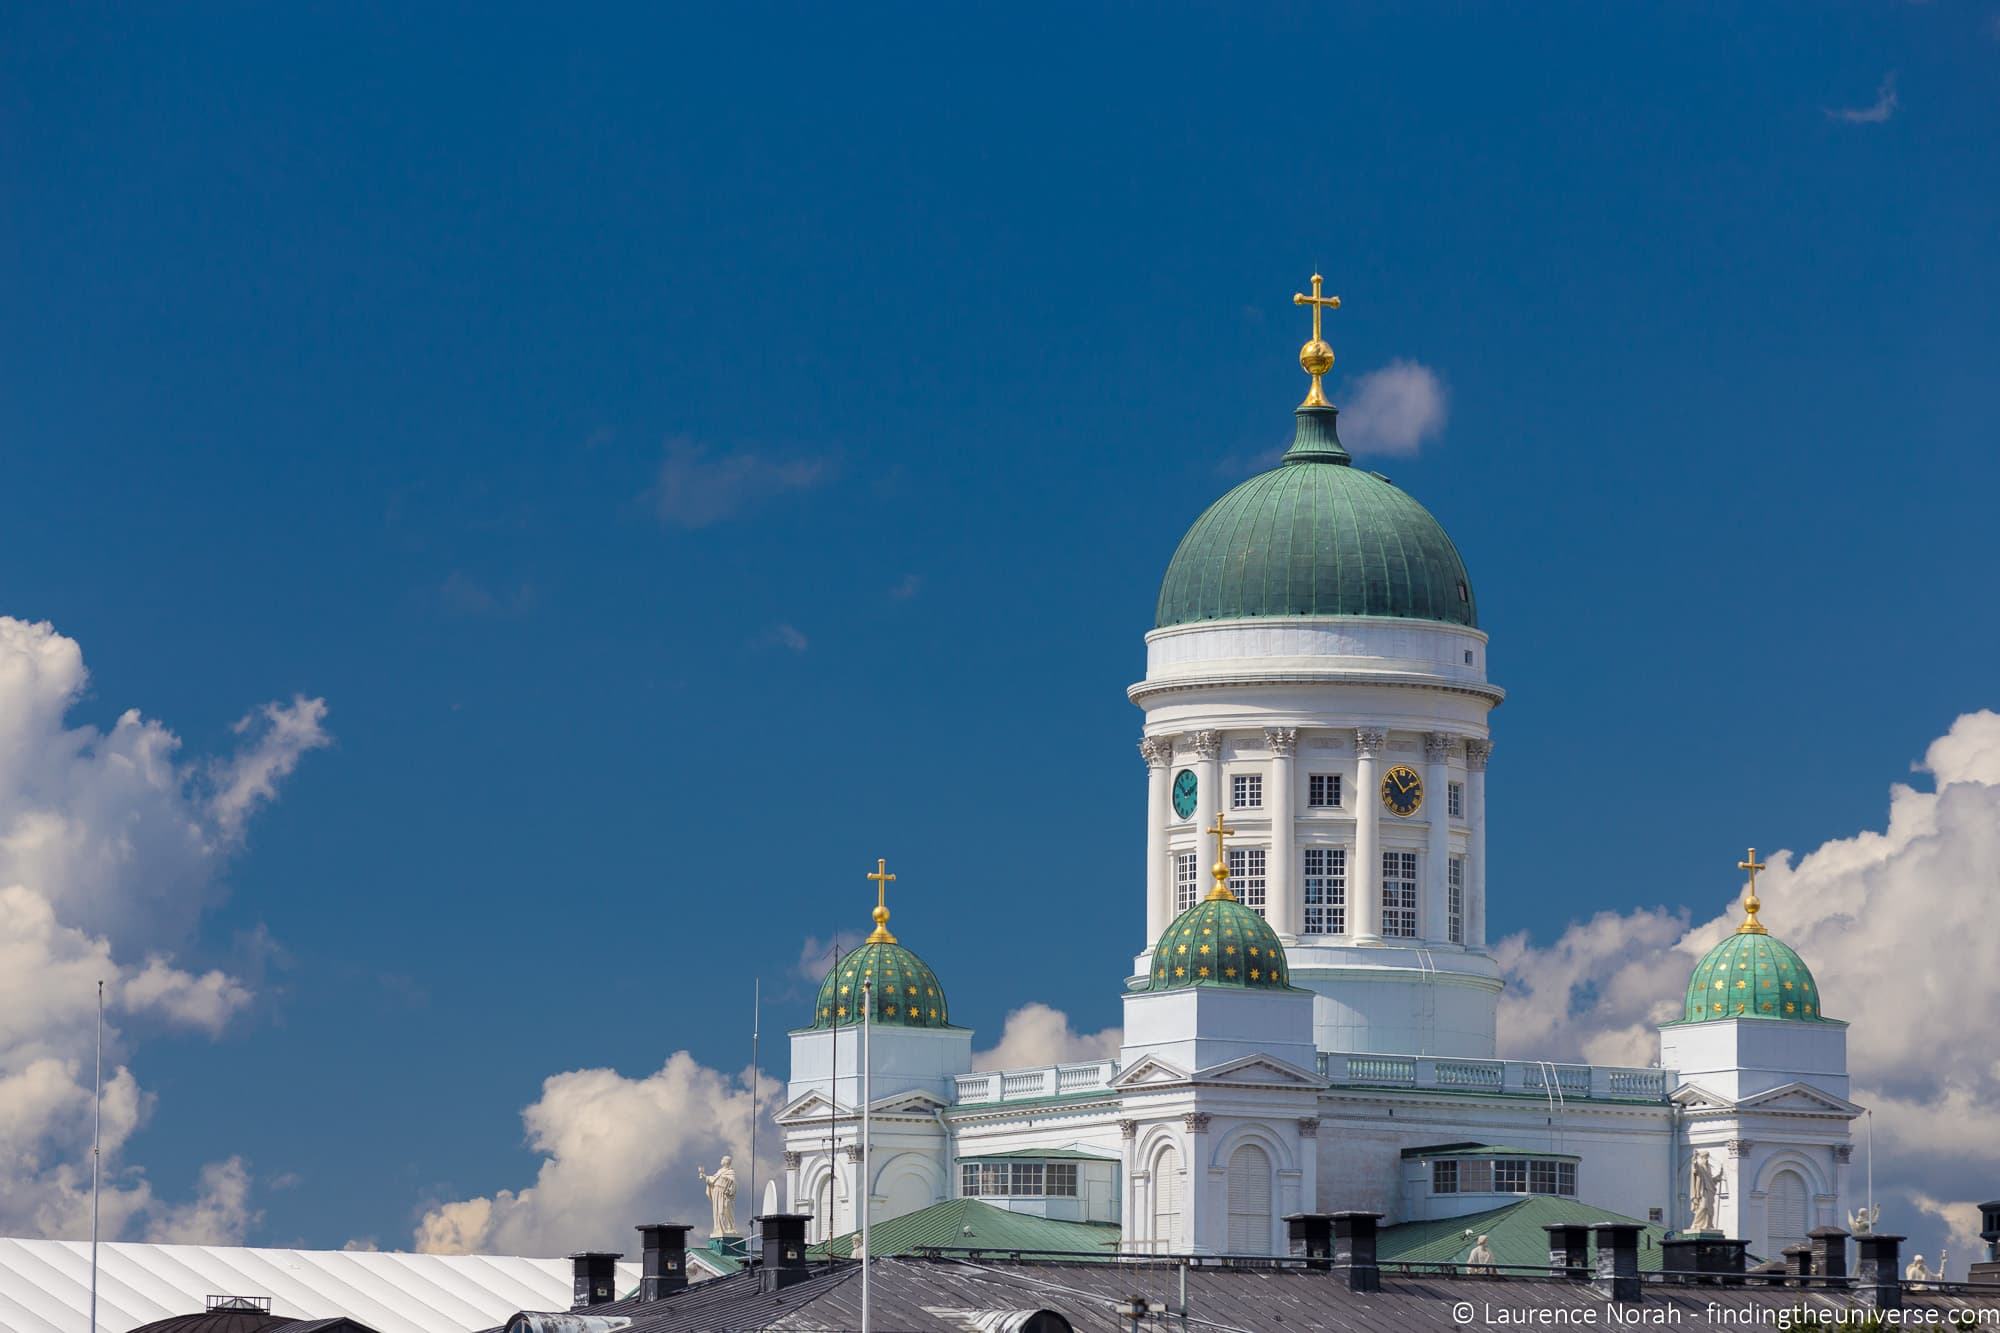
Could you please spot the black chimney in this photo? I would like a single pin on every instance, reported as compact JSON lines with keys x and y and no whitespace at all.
{"x":596,"y":1273}
{"x":1681,"y":1257}
{"x":1354,"y":1249}
{"x":1312,"y":1237}
{"x":1618,"y":1261}
{"x":1722,"y":1258}
{"x":1829,"y":1255}
{"x":1989,"y":1231}
{"x":784,"y":1255}
{"x":1569,"y":1250}
{"x":1877,"y":1279}
{"x":1799,"y":1262}
{"x":663,"y":1254}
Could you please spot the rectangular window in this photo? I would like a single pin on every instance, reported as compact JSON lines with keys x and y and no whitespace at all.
{"x":1323,"y":791}
{"x":1246,"y":791}
{"x":1326,"y":890}
{"x":1246,"y":877}
{"x":1510,"y":1177}
{"x":1454,"y":889}
{"x":993,"y":1178}
{"x":1541,"y":1177}
{"x":1566,"y":1178}
{"x":1061,"y":1177}
{"x":1027,"y":1178}
{"x":1399,"y":895}
{"x":1475,"y":1177}
{"x":1444,"y":1176}
{"x":1454,"y":799}
{"x":1187,"y":879}
{"x":968,"y":1179}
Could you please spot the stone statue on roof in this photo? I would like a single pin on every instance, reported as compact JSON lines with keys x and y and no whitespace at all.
{"x":721,"y":1189}
{"x":1704,"y":1193}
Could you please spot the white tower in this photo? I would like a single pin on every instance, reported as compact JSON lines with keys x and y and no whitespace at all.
{"x":1318,"y":674}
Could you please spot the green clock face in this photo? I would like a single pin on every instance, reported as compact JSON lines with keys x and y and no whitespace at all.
{"x":1402,"y":790}
{"x":1184,"y":792}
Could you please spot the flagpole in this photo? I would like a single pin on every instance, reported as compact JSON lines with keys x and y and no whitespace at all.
{"x":96,"y":1150}
{"x":756,"y":1005}
{"x":867,"y":1096}
{"x":833,"y":1115}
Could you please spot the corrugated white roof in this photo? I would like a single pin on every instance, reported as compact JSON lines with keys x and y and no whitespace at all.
{"x":45,"y":1285}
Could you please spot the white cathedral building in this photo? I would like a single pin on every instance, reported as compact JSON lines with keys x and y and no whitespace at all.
{"x":1311,"y":1025}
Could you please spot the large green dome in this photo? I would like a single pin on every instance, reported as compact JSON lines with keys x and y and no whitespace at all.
{"x":1752,"y":974}
{"x":1316,"y":536}
{"x":1219,"y":942}
{"x":906,"y":992}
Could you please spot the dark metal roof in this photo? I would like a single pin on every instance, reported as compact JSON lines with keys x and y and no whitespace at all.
{"x":249,"y":1321}
{"x":946,"y":1295}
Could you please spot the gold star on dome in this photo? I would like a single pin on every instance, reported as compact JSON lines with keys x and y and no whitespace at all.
{"x":843,"y":990}
{"x":1204,"y":949}
{"x":1229,"y":948}
{"x":842,"y":1011}
{"x":1201,"y":971}
{"x":1180,"y":948}
{"x":1229,"y":972}
{"x":1253,"y":951}
{"x":1791,"y":1008}
{"x":1255,"y":974}
{"x":1718,"y":983}
{"x":933,"y":1013}
{"x":1740,"y":983}
{"x":1180,"y":972}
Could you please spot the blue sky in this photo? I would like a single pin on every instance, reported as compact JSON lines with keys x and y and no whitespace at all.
{"x":695,"y":454}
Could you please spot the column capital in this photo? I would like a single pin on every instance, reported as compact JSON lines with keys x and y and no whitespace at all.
{"x":1309,"y":1127}
{"x":1370,"y":741}
{"x":1738,"y":1147}
{"x":1843,"y":1152}
{"x":1284,"y":741}
{"x":1128,"y":1129}
{"x":1195,"y":1122}
{"x":1437,"y":746}
{"x":853,"y":1151}
{"x":1476,"y":754}
{"x":792,"y":1160}
{"x":1207,"y":744}
{"x":1157,"y":751}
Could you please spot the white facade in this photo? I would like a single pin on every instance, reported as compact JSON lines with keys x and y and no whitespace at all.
{"x":1229,"y":1108}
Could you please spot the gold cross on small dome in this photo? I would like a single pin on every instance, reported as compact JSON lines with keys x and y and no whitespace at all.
{"x":1751,"y":903}
{"x":1220,"y":870}
{"x":1316,"y":357}
{"x":882,"y":879}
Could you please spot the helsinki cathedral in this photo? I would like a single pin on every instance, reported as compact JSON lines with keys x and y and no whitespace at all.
{"x":1310,"y":1026}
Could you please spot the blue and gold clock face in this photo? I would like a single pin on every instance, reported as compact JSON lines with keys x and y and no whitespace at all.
{"x":1402,"y":791}
{"x":1184,"y":792}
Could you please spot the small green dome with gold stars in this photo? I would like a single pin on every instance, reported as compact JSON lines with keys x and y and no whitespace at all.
{"x":902,"y":989}
{"x":1753,"y":973}
{"x":1219,"y":942}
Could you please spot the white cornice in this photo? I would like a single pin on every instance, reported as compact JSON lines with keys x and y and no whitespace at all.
{"x":1144,"y":689}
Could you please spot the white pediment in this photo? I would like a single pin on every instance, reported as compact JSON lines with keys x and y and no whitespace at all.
{"x":1694,"y":1097}
{"x":1264,"y":1069}
{"x":812,"y":1106}
{"x":1148,"y":1070}
{"x":1800,"y":1097}
{"x":908,"y":1103}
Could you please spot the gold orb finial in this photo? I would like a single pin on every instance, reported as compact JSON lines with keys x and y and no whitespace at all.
{"x":1221,"y":892}
{"x":1316,"y":357}
{"x":882,"y":879}
{"x":1751,"y":903}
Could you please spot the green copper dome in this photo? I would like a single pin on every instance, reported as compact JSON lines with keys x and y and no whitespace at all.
{"x":1219,"y":942}
{"x":1752,"y":974}
{"x":904,"y":990}
{"x":1316,"y":536}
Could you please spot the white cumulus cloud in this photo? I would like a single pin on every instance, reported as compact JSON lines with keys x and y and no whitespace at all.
{"x":1899,"y":927}
{"x":1037,"y":1034}
{"x":1393,"y":410}
{"x":110,"y":849}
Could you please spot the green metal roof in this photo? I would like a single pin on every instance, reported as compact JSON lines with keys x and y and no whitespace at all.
{"x":1048,"y":1154}
{"x":906,"y":992}
{"x":1488,"y":1150}
{"x":943,"y":1225}
{"x":1752,"y":974}
{"x":1316,"y":536}
{"x":1513,"y":1232}
{"x":1219,"y":942}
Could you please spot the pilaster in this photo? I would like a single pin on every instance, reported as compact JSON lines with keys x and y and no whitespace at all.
{"x":1437,"y":849}
{"x":1364,"y":907}
{"x":1477,"y":752}
{"x":1158,"y":752}
{"x":1287,"y":914}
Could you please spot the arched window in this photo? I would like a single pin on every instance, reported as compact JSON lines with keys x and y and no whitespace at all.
{"x":1249,"y":1200}
{"x":1167,"y":1202}
{"x":823,"y":1218}
{"x":1785,"y":1212}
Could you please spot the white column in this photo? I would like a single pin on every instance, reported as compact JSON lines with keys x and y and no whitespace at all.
{"x":1476,"y":753}
{"x":1207,"y":1223}
{"x":1437,"y":775}
{"x":1207,"y":800}
{"x":1158,"y":752}
{"x":1364,"y":877}
{"x":1287,"y":914}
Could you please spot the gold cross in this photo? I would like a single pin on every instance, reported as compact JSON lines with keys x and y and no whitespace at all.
{"x":1751,"y":904}
{"x":882,"y":879}
{"x":1221,"y":830}
{"x":1316,"y":357}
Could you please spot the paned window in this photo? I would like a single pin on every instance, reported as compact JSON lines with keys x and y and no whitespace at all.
{"x":1454,"y":899}
{"x":968,"y":1179}
{"x":1187,"y":874}
{"x":1246,"y":877}
{"x":1027,"y":1178}
{"x":1541,"y":1177}
{"x":1566,"y":1178}
{"x":1399,"y":895}
{"x":1510,"y":1177}
{"x":1454,"y":799}
{"x":1475,"y":1177}
{"x":1323,"y":791}
{"x":1444,"y":1176}
{"x":1326,"y":890}
{"x":1061,"y":1180}
{"x":1246,"y":791}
